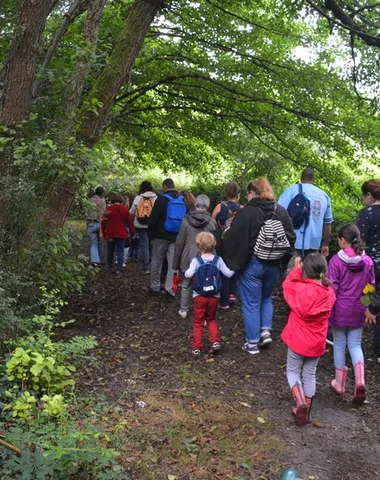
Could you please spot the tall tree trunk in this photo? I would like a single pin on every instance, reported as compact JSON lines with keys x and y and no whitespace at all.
{"x":118,"y":69}
{"x":22,"y":61}
{"x":17,"y":93}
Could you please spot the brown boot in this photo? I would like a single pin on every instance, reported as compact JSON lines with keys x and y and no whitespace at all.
{"x":301,"y":410}
{"x":359,"y":395}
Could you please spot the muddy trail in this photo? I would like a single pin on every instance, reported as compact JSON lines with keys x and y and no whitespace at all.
{"x":173,"y":416}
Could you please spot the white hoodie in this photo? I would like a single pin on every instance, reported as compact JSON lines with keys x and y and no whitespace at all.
{"x":135,"y":203}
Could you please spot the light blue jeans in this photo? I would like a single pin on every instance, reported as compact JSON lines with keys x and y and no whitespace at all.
{"x":96,"y":251}
{"x":255,"y":287}
{"x":351,"y":337}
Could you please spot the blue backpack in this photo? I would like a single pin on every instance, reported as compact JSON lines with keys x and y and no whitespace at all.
{"x":175,"y":212}
{"x":299,"y":209}
{"x":208,"y":280}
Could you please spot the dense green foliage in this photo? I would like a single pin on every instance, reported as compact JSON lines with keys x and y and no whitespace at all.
{"x":39,"y":405}
{"x":219,"y":91}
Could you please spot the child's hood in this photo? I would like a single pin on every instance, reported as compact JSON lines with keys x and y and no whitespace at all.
{"x":351,"y":260}
{"x":313,"y":299}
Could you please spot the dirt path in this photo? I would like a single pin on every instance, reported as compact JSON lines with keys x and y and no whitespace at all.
{"x":211,"y":418}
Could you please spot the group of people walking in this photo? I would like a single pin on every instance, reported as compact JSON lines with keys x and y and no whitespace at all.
{"x":238,"y":250}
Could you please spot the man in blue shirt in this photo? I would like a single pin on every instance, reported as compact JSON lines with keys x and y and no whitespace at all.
{"x":318,"y":230}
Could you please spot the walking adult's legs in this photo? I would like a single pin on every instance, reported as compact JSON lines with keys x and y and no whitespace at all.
{"x":270,"y":277}
{"x":224,"y":294}
{"x":144,"y":244}
{"x":96,"y":253}
{"x":232,"y":285}
{"x":159,"y":248}
{"x":120,"y":242}
{"x":186,"y":293}
{"x":376,"y":337}
{"x":111,"y":245}
{"x":376,"y":340}
{"x":169,"y":275}
{"x":136,"y":247}
{"x":250,"y":289}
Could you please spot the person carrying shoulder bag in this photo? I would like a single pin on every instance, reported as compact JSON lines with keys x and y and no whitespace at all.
{"x":249,"y":251}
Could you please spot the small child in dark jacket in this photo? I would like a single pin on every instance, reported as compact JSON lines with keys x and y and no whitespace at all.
{"x":205,"y":306}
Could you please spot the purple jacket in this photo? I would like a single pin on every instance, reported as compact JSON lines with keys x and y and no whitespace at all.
{"x":349,"y":274}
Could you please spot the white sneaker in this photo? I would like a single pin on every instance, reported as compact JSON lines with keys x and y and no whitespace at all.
{"x":182,"y":313}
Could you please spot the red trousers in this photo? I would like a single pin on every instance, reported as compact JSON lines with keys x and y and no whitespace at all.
{"x":205,"y":310}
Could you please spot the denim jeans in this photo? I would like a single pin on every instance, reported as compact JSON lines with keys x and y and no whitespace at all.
{"x":351,"y":337}
{"x":255,"y":287}
{"x":118,"y":244}
{"x":96,"y":251}
{"x":144,"y":245}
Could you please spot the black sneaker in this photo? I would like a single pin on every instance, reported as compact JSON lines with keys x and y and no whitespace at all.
{"x":251,"y":348}
{"x":196,"y":352}
{"x":265,"y":340}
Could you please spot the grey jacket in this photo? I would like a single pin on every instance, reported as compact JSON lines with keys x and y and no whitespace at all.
{"x":185,"y":249}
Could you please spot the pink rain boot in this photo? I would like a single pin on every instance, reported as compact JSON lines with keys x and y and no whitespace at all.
{"x":359,"y":395}
{"x":309,"y":403}
{"x":339,"y":382}
{"x":301,"y":409}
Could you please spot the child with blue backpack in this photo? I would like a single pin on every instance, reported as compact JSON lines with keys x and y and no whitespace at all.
{"x":208,"y":269}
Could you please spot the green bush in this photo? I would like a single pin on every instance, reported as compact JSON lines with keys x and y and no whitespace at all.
{"x":38,"y":413}
{"x":54,"y":263}
{"x":48,"y":452}
{"x":37,"y":372}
